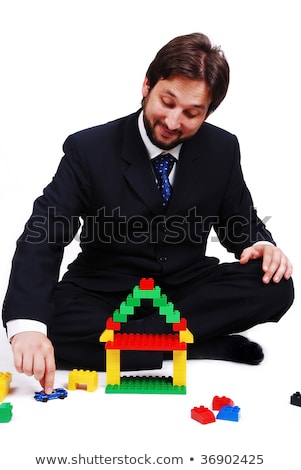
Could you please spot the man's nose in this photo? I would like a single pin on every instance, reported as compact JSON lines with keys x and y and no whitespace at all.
{"x":172,"y":120}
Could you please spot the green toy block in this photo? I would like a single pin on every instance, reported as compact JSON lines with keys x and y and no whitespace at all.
{"x":119,"y":317}
{"x":173,"y":317}
{"x":167,"y":309}
{"x":126,"y":309}
{"x":147,"y":385}
{"x":5,"y":412}
{"x":146,"y":294}
{"x":160,"y":301}
{"x":130,"y":300}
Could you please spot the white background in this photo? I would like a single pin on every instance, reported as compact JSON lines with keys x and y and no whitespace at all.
{"x":69,"y":64}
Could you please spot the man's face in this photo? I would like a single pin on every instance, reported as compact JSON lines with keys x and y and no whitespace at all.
{"x":174,"y":110}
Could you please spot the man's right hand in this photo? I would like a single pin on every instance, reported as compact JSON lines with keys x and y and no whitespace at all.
{"x":34,"y":355}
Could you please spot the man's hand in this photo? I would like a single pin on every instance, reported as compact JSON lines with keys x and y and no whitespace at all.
{"x":274,"y":262}
{"x":34,"y":355}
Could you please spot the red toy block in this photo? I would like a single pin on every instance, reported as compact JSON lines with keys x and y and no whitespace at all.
{"x":181,"y":326}
{"x":146,"y":284}
{"x":203,"y":415}
{"x":220,"y":402}
{"x":112,"y":325}
{"x":146,"y":342}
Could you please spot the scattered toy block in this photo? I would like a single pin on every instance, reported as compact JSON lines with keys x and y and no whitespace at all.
{"x":229,"y":413}
{"x":77,"y":378}
{"x":6,"y":412}
{"x":296,"y":399}
{"x":203,"y":415}
{"x":5,"y":380}
{"x":220,"y":402}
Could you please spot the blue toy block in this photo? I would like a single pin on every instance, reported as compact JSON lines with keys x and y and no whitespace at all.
{"x":229,"y":413}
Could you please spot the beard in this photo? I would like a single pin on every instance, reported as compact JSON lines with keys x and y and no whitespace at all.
{"x":158,"y":143}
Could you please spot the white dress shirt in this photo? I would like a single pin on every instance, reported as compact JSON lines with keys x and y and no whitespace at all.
{"x":154,"y":151}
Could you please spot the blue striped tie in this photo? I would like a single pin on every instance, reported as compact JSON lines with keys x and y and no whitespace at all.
{"x":162,"y":166}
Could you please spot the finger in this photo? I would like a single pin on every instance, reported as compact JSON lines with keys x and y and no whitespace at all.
{"x":27,"y":364}
{"x":245,"y":255}
{"x":273,"y":266}
{"x":48,"y":379}
{"x":39,"y":367}
{"x":289,"y":271}
{"x":267,"y":259}
{"x":285,"y":270}
{"x":18,"y":359}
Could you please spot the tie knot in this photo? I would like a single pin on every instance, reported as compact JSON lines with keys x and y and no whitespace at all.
{"x":163,"y":163}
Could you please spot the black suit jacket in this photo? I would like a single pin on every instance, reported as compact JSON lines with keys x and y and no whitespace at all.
{"x":105,"y":179}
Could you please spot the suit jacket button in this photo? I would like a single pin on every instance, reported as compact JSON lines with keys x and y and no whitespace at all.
{"x":162,"y":258}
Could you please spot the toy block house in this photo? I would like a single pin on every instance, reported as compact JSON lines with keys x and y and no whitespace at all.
{"x":117,"y":342}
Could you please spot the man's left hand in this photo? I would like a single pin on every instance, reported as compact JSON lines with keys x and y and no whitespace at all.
{"x":275,"y":263}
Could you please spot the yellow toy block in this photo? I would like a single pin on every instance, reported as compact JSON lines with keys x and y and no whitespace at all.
{"x":179,"y":367}
{"x":83,"y":377}
{"x":5,"y":380}
{"x":106,"y":335}
{"x":113,"y":366}
{"x":185,"y":336}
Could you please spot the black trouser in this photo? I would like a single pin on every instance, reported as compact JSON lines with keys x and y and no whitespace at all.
{"x":232,"y":299}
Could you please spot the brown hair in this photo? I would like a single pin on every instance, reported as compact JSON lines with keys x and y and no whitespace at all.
{"x":192,"y":56}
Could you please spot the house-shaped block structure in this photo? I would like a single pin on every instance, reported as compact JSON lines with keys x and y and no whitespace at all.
{"x":117,"y":342}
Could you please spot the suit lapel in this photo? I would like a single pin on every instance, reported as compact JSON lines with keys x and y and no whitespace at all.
{"x":138,"y":171}
{"x":187,"y":178}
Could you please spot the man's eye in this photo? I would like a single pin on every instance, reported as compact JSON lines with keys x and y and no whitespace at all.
{"x":191,"y":114}
{"x":168,"y":104}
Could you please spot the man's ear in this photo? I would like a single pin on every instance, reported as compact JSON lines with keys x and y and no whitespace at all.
{"x":145,"y":87}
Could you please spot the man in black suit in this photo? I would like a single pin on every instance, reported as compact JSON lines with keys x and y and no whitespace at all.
{"x":108,"y":180}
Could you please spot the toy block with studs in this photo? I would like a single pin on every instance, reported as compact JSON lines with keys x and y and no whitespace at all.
{"x":229,"y":413}
{"x":203,"y":415}
{"x":146,"y":342}
{"x":225,"y":407}
{"x":220,"y":402}
{"x":79,"y":378}
{"x":6,"y":412}
{"x":5,"y":380}
{"x":146,"y":385}
{"x":296,"y":399}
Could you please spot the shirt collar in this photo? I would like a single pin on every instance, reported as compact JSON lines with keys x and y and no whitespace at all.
{"x":153,"y":150}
